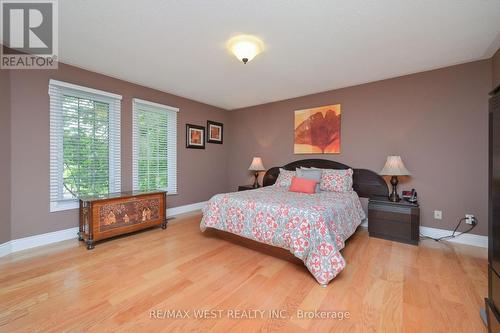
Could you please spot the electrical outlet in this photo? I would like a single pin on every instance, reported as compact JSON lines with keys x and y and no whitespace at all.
{"x":469,"y":218}
{"x":438,"y":215}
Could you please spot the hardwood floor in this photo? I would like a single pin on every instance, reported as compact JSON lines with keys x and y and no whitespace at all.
{"x":124,"y":283}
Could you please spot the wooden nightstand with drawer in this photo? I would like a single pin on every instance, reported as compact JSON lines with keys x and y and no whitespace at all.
{"x":397,"y":221}
{"x":246,"y":188}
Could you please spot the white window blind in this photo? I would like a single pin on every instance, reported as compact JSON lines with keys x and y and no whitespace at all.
{"x":84,"y":143}
{"x":154,"y":147}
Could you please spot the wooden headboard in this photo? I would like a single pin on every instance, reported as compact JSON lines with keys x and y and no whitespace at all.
{"x":367,"y":183}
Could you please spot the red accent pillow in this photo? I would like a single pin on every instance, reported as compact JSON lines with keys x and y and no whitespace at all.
{"x":303,"y":185}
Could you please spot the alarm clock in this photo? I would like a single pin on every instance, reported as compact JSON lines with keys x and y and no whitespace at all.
{"x":410,"y":196}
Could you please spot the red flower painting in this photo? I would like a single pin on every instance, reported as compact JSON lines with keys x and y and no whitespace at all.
{"x":317,"y":130}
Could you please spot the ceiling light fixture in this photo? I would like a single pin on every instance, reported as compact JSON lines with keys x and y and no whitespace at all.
{"x":245,"y":47}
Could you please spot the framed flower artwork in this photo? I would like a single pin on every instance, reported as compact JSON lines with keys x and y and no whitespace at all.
{"x":215,"y":132}
{"x":195,"y":136}
{"x":317,"y":130}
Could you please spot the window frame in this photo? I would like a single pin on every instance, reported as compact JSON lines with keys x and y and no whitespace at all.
{"x":57,"y":139}
{"x":172,"y":177}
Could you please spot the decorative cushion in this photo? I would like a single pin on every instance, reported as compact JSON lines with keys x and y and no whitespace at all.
{"x":336,"y":180}
{"x":309,"y":173}
{"x":285,"y":178}
{"x":303,"y":185}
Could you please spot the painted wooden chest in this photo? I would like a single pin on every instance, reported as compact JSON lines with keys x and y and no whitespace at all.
{"x":115,"y":214}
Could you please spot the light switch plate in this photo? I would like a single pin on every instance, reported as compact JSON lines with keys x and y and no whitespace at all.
{"x":438,"y":215}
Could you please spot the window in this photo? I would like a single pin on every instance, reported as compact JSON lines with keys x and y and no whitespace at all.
{"x":84,"y":144}
{"x":154,"y":147}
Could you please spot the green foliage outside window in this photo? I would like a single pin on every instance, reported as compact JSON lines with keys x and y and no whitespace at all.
{"x":86,"y":127}
{"x":85,"y":147}
{"x":152,"y":154}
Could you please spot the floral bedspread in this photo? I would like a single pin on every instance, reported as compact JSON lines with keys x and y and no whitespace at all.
{"x":313,"y":227}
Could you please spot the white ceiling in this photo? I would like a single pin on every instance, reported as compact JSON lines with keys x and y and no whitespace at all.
{"x":311,"y":46}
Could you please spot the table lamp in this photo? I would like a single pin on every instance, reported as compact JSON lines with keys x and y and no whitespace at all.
{"x":256,"y":166}
{"x":394,"y":167}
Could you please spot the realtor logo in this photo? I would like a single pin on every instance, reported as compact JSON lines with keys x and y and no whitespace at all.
{"x":29,"y":34}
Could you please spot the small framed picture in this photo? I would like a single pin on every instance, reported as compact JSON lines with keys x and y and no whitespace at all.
{"x":195,"y":136}
{"x":215,"y":132}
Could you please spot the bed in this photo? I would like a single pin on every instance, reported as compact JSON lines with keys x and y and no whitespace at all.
{"x":313,"y":227}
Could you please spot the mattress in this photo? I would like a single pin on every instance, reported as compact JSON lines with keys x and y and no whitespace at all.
{"x":313,"y":227}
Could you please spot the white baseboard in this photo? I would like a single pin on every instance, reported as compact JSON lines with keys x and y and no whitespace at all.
{"x":25,"y":243}
{"x":185,"y":209}
{"x":5,"y":249}
{"x":468,"y":239}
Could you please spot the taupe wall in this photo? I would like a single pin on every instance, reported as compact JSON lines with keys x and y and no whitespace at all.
{"x":5,"y":156}
{"x":202,"y":173}
{"x":496,"y":69}
{"x":437,"y":121}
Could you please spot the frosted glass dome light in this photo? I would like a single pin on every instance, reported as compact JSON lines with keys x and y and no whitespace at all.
{"x":245,"y":47}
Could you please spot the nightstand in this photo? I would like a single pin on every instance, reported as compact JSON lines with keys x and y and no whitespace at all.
{"x":245,"y":187}
{"x":397,"y":221}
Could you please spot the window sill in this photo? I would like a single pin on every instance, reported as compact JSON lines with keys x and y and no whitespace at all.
{"x":63,"y":205}
{"x":69,"y":205}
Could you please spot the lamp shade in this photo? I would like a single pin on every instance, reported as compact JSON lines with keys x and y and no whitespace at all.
{"x":394,"y":167}
{"x":256,"y":165}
